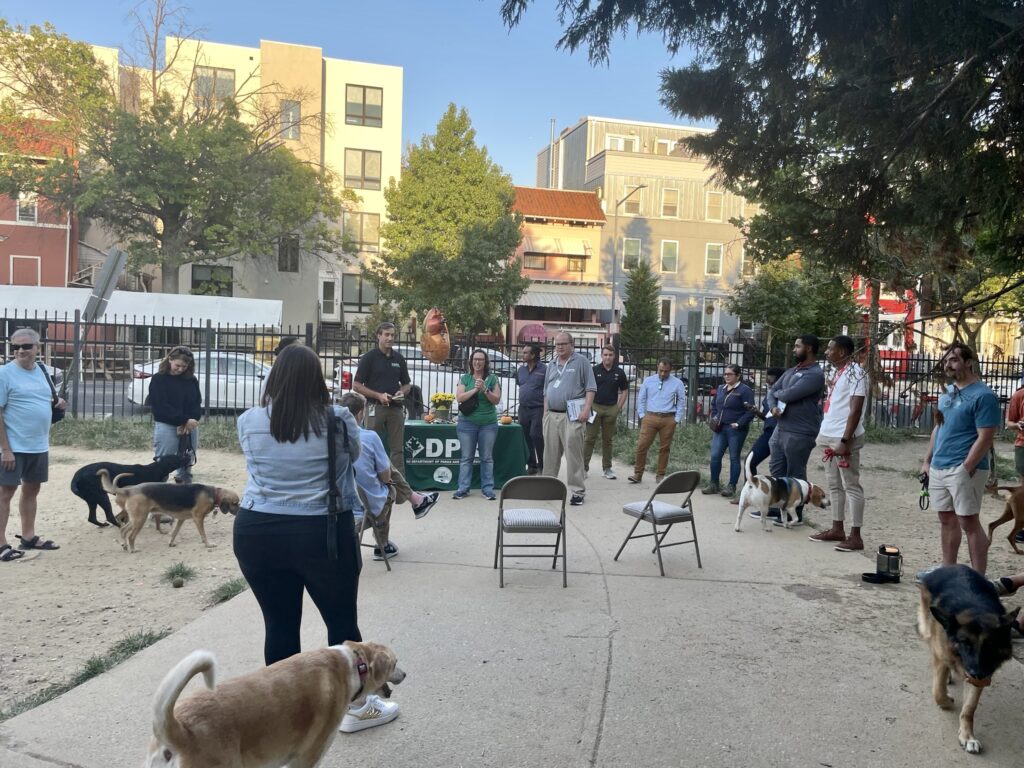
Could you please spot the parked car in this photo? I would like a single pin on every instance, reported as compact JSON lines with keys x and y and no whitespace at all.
{"x":236,"y":380}
{"x":709,"y":377}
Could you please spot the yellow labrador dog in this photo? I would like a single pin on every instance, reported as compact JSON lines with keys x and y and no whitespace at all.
{"x":286,"y":714}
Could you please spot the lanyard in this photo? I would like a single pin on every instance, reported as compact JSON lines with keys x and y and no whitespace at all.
{"x":835,"y":381}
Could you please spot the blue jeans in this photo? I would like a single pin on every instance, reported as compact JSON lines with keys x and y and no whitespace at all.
{"x":761,"y":449}
{"x":472,"y":436}
{"x":165,"y":443}
{"x":733,"y":439}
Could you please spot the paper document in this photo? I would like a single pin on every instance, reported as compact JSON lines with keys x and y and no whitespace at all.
{"x":573,"y":408}
{"x":781,"y":406}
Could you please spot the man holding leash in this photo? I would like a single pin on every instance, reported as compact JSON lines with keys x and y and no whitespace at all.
{"x":660,"y":405}
{"x":612,"y":386}
{"x":568,"y":385}
{"x":26,"y":406}
{"x":957,"y":461}
{"x":841,"y":437}
{"x":382,"y":377}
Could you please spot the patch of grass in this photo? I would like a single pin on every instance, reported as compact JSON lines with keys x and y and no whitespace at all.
{"x":215,"y":434}
{"x":179,"y":571}
{"x":873,"y":433}
{"x":227,"y":590}
{"x":120,"y":651}
{"x":691,"y":447}
{"x":1006,"y":469}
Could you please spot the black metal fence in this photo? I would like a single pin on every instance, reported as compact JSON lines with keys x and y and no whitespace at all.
{"x":104,"y":367}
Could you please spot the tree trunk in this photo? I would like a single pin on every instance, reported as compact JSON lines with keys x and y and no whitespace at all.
{"x":169,"y":278}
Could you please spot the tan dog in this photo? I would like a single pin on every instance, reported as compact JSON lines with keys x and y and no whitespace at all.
{"x":787,"y":493}
{"x":180,"y":501}
{"x":284,"y":714}
{"x":1014,"y":510}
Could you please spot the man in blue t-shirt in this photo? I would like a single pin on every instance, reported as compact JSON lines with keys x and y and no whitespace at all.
{"x":957,"y":458}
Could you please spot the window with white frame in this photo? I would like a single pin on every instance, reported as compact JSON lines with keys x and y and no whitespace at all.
{"x":620,"y":143}
{"x":713,"y":259}
{"x":28,"y":207}
{"x":291,"y":116}
{"x":670,"y":203}
{"x":713,"y":206}
{"x":632,"y":206}
{"x":748,"y":267}
{"x":669,"y":255}
{"x":667,"y":309}
{"x":362,"y":169}
{"x":663,"y":147}
{"x":630,"y":252}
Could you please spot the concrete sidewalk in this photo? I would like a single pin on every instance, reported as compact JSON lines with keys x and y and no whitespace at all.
{"x":773,"y":654}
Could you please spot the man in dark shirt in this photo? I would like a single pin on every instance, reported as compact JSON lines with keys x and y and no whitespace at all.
{"x":530,"y":378}
{"x":382,"y":377}
{"x":612,"y":386}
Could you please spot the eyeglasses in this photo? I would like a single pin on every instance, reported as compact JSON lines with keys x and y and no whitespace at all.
{"x":16,"y":347}
{"x":661,"y":384}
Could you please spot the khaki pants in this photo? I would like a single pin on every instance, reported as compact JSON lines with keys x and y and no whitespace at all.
{"x":844,"y":488}
{"x":664,"y":427}
{"x":389,"y":424}
{"x":564,"y":436}
{"x":605,"y":423}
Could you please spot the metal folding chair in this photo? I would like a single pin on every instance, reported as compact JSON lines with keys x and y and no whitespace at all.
{"x":660,"y":513}
{"x":531,"y":520}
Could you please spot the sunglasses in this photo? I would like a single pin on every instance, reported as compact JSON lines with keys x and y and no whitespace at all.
{"x":16,"y":347}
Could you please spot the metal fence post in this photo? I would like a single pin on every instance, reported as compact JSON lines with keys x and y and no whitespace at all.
{"x":309,"y":335}
{"x":76,"y":363}
{"x":692,"y":375}
{"x":208,"y":353}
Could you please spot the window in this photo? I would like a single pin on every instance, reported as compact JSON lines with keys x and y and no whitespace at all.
{"x":620,"y":143}
{"x":364,"y":105}
{"x":630,"y":252}
{"x":670,"y":203}
{"x":667,"y":318}
{"x":748,"y":267}
{"x":576,"y":264}
{"x":362,"y":169}
{"x":328,"y":298}
{"x":711,"y":314}
{"x":632,"y":206}
{"x":288,"y":253}
{"x":713,"y":259}
{"x":291,"y":116}
{"x":358,"y":292}
{"x":362,"y":231}
{"x":213,"y":86}
{"x":210,"y":280}
{"x":534,"y":261}
{"x":663,"y":147}
{"x":28,"y":207}
{"x":713,"y":206}
{"x":669,"y":255}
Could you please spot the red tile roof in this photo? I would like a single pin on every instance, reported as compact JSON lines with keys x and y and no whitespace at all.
{"x":558,"y":204}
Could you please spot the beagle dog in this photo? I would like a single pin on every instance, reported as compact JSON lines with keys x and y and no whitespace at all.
{"x":188,"y":501}
{"x":786,"y":493}
{"x":284,"y":714}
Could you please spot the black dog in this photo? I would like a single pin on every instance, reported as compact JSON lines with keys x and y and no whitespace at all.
{"x":87,"y":486}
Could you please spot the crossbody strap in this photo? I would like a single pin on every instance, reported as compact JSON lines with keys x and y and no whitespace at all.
{"x":333,"y":494}
{"x":46,"y":375}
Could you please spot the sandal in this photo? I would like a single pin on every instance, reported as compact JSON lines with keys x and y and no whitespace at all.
{"x":36,"y":543}
{"x":9,"y":554}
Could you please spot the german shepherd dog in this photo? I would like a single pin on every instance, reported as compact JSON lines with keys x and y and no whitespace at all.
{"x":86,"y":483}
{"x":968,"y":632}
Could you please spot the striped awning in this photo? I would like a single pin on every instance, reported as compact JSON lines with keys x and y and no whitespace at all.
{"x":557,"y":246}
{"x":568,"y":296}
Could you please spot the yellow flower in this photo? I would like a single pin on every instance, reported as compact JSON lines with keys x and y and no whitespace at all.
{"x":442,"y":399}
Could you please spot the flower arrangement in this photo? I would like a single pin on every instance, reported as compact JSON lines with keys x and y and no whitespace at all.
{"x":442,"y":400}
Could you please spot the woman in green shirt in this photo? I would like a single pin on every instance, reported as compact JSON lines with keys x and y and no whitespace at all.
{"x":480,"y":428}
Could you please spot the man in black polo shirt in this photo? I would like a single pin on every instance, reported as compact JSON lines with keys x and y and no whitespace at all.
{"x":612,"y":386}
{"x":383,"y":379}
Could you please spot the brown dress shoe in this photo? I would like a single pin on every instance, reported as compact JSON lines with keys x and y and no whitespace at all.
{"x":850,"y":544}
{"x":829,"y":535}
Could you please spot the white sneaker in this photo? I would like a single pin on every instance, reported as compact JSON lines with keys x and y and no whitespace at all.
{"x":609,"y":474}
{"x":375,"y":711}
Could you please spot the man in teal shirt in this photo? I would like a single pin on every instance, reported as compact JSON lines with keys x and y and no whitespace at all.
{"x":957,"y":458}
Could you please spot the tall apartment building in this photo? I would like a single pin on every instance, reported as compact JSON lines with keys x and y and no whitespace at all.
{"x":661,"y":206}
{"x":358,"y":136}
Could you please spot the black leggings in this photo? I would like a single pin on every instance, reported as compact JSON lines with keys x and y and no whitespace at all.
{"x":280,"y":556}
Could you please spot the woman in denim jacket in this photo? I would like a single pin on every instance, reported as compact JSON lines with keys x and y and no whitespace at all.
{"x":281,"y":531}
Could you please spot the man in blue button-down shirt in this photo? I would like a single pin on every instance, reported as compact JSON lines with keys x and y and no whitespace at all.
{"x":660,"y":406}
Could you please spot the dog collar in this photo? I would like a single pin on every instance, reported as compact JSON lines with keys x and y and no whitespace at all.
{"x":218,"y":495}
{"x":363,"y":670}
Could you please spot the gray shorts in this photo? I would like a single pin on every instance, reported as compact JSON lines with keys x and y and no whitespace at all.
{"x":954,"y":490}
{"x":28,"y":468}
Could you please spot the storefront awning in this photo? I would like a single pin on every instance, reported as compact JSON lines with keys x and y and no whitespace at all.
{"x":569,"y":296}
{"x":557,"y":246}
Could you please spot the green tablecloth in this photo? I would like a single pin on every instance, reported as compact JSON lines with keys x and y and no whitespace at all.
{"x":432,"y":456}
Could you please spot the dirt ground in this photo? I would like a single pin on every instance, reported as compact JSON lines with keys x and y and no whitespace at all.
{"x":59,"y":608}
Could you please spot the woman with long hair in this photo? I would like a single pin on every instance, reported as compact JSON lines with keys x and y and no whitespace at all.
{"x":177,"y":403}
{"x":479,"y":429}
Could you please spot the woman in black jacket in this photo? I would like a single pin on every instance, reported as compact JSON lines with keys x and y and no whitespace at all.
{"x":177,"y":405}
{"x":729,"y":413}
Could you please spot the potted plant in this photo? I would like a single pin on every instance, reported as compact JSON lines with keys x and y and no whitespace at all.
{"x":441,"y":404}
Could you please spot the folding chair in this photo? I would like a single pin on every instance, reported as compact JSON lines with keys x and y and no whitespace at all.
{"x":516,"y":520}
{"x":381,"y":524}
{"x":662,"y":513}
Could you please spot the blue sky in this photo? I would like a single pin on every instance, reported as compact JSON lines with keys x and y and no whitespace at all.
{"x":512,"y":82}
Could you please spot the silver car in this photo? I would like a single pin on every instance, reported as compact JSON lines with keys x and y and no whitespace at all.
{"x":236,"y":380}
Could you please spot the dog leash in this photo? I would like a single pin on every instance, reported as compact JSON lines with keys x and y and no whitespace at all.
{"x":829,"y":454}
{"x":924,"y":499}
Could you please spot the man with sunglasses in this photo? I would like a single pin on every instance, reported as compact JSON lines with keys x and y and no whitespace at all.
{"x":660,"y":405}
{"x":26,"y":403}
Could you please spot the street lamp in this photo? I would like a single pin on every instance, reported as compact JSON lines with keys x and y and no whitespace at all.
{"x":614,"y":326}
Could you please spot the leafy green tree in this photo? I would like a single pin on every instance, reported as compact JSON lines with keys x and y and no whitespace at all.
{"x":177,"y":183}
{"x":641,"y":321}
{"x":790,"y":299}
{"x":882,"y":137}
{"x":451,"y":233}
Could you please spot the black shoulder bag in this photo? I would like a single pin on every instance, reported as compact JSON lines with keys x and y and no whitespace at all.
{"x":333,"y":494}
{"x":56,"y":414}
{"x":466,"y":407}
